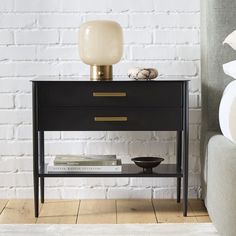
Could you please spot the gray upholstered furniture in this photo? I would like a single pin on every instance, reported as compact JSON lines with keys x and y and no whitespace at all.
{"x":221,"y":184}
{"x":219,"y":170}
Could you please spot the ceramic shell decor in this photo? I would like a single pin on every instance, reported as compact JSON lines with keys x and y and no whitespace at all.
{"x":142,"y":73}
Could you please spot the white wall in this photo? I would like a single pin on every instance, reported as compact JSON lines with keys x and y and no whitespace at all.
{"x":38,"y":40}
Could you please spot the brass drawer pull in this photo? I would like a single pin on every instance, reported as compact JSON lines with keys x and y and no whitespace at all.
{"x":109,"y":94}
{"x":110,"y":118}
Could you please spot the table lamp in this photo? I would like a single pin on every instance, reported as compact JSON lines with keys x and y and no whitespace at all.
{"x":100,"y":46}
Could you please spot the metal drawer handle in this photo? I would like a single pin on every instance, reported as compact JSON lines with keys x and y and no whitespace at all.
{"x":110,"y":118}
{"x":109,"y":94}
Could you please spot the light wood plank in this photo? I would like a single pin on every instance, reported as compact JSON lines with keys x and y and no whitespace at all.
{"x":169,"y":211}
{"x":3,"y":203}
{"x":199,"y":210}
{"x":18,"y":212}
{"x":58,"y":212}
{"x":135,"y":211}
{"x":97,"y":212}
{"x":56,"y":220}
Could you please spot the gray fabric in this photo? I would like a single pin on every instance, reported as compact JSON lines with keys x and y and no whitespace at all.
{"x":221,"y":184}
{"x":204,"y":165}
{"x":217,"y":21}
{"x":218,"y":172}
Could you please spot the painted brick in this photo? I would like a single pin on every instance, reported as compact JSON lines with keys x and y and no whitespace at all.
{"x":24,"y":163}
{"x":15,"y":148}
{"x":7,"y":193}
{"x":14,"y":85}
{"x":150,"y":148}
{"x":24,"y":193}
{"x":6,"y":101}
{"x":15,"y":116}
{"x":84,"y":6}
{"x":73,"y":69}
{"x":60,"y":21}
{"x":84,"y":193}
{"x":195,"y":85}
{"x":37,"y":37}
{"x":7,"y":180}
{"x":129,"y":135}
{"x":154,"y":53}
{"x":29,"y":69}
{"x":85,"y":135}
{"x":177,"y":68}
{"x":6,"y":37}
{"x":133,"y":6}
{"x":95,"y":182}
{"x":122,"y":19}
{"x":7,"y":164}
{"x":137,"y":37}
{"x":64,"y":148}
{"x":165,"y":135}
{"x":160,"y":193}
{"x":180,"y":36}
{"x":188,"y":52}
{"x":195,"y":116}
{"x":6,"y":5}
{"x":58,"y":53}
{"x":166,"y":20}
{"x":194,"y":100}
{"x":18,"y":53}
{"x":17,"y":21}
{"x":6,"y":132}
{"x":179,"y":6}
{"x":24,"y":179}
{"x":102,"y":148}
{"x":127,"y":193}
{"x":25,"y":132}
{"x":36,"y":5}
{"x":69,"y":36}
{"x":23,"y":101}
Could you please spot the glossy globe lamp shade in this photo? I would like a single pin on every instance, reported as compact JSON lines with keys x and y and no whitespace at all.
{"x":100,"y":46}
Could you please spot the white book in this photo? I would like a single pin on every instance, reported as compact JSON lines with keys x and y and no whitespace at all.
{"x":55,"y":168}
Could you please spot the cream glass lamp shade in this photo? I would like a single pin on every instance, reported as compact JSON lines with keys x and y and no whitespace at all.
{"x":100,"y":46}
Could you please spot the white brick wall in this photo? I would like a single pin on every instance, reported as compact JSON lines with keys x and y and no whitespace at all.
{"x":38,"y":39}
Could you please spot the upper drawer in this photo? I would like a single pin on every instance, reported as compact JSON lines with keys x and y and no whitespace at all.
{"x":92,"y":94}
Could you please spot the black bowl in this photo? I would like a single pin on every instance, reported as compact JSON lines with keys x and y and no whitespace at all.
{"x":147,"y":163}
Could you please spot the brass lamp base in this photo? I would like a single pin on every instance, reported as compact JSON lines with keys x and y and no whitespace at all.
{"x":101,"y":72}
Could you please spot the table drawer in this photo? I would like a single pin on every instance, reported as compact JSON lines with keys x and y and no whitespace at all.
{"x":116,"y":119}
{"x":122,"y":94}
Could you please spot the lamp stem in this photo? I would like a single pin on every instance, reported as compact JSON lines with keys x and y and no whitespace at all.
{"x":101,"y":72}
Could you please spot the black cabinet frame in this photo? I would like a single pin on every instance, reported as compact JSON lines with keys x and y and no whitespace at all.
{"x":42,"y":123}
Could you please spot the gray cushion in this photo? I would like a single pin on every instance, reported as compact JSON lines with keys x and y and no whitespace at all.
{"x":221,"y":184}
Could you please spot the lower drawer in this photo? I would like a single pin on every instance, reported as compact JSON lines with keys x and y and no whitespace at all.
{"x":108,"y":119}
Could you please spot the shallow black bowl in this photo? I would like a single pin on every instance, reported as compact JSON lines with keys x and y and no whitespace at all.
{"x":147,"y":163}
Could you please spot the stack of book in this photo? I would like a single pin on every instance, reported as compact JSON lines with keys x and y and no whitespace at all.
{"x":85,"y":163}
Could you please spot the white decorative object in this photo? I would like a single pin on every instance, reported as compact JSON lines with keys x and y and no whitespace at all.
{"x":142,"y":73}
{"x":227,"y":112}
{"x":100,"y":46}
{"x":230,"y":69}
{"x":231,"y":40}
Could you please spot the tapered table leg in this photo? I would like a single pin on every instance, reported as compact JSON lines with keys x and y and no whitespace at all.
{"x":35,"y":153}
{"x":179,"y":163}
{"x":41,"y":138}
{"x":185,"y":151}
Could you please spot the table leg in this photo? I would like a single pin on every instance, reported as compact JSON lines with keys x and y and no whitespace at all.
{"x":41,"y":138}
{"x":185,"y":152}
{"x":35,"y":154}
{"x":179,"y":163}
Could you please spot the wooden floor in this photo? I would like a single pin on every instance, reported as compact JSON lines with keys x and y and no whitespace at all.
{"x":101,"y":212}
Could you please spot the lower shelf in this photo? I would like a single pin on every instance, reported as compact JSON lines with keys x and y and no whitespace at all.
{"x":128,"y":170}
